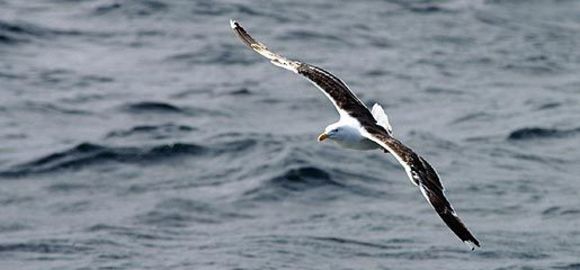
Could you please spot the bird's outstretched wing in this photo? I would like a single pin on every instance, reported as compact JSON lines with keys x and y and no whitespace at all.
{"x":425,"y":177}
{"x":336,"y":90}
{"x":347,"y":104}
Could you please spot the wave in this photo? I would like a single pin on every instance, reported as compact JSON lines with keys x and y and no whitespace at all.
{"x":129,"y":8}
{"x":177,"y":212}
{"x":292,"y":181}
{"x":156,"y":131}
{"x":13,"y":227}
{"x":424,"y":7}
{"x":312,"y":35}
{"x":159,"y":107}
{"x":45,"y":247}
{"x":87,"y":154}
{"x":14,"y":33}
{"x":44,"y":107}
{"x":241,"y":92}
{"x":91,"y":154}
{"x":557,"y":211}
{"x":153,"y":106}
{"x":120,"y":232}
{"x":549,"y":105}
{"x":473,"y":117}
{"x":530,"y":133}
{"x":220,"y":54}
{"x":213,"y":9}
{"x":346,"y":241}
{"x":571,"y":266}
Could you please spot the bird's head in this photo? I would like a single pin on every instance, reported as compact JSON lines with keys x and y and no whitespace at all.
{"x":332,"y":132}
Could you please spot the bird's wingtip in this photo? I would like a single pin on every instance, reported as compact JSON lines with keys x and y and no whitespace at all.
{"x":472,"y":245}
{"x":233,"y":23}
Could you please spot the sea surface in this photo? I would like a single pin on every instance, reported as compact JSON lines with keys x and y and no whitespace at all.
{"x":144,"y":135}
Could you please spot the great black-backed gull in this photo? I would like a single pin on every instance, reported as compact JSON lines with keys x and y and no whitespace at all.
{"x":361,"y":129}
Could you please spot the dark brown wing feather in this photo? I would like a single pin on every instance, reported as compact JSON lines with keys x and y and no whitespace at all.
{"x":337,"y":91}
{"x":345,"y":101}
{"x":425,"y":177}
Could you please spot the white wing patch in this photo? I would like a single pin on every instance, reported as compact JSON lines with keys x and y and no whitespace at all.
{"x":382,"y":118}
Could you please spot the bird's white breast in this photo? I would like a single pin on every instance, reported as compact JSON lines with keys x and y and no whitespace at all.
{"x":350,"y":137}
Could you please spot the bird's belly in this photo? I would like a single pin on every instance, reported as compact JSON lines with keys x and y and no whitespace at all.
{"x":364,"y":144}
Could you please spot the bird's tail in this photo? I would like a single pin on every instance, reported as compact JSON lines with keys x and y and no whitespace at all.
{"x":382,"y":118}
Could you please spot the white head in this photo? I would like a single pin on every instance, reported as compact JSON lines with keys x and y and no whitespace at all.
{"x":348,"y":136}
{"x":339,"y":132}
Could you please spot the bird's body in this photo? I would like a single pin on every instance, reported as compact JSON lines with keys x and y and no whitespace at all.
{"x":346,"y":133}
{"x":363,"y":129}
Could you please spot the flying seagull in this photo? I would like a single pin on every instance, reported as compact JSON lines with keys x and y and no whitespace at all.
{"x":361,"y":129}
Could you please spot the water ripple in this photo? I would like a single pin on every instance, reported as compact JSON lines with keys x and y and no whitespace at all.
{"x":529,"y":133}
{"x":152,"y":106}
{"x":154,"y":131}
{"x":179,"y":212}
{"x":86,"y":154}
{"x":292,"y":182}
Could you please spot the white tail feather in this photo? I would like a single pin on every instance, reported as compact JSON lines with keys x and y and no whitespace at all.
{"x":382,"y":118}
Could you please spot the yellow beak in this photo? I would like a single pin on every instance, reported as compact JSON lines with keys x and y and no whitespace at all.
{"x":322,"y":137}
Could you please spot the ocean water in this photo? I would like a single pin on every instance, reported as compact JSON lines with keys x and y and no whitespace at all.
{"x":144,"y":135}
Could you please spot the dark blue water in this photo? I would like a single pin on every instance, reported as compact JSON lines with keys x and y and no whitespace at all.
{"x":143,"y":135}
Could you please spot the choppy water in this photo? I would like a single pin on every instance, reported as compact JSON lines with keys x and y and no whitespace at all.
{"x":143,"y":135}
